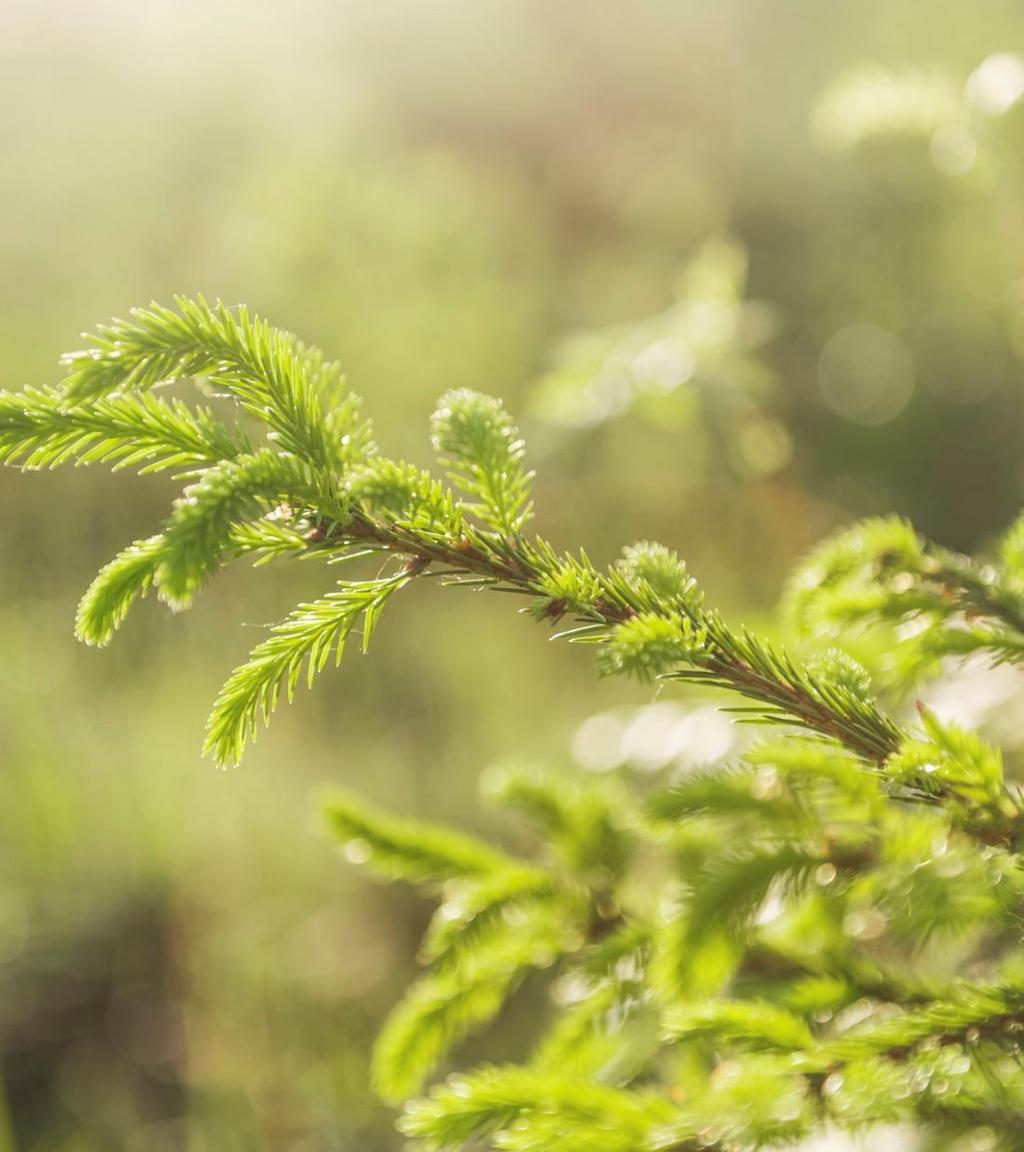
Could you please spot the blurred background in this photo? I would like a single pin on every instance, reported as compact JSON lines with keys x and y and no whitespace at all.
{"x":744,"y":270}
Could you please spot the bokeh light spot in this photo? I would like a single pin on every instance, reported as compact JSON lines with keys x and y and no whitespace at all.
{"x":866,"y":374}
{"x":996,"y":84}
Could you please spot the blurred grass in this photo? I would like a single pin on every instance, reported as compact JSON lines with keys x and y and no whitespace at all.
{"x":437,"y":195}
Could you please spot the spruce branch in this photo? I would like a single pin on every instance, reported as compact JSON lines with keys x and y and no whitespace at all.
{"x":206,"y":529}
{"x":528,"y":1107}
{"x":308,"y":637}
{"x":476,"y":908}
{"x":609,"y":1034}
{"x":318,"y":479}
{"x":270,"y":373}
{"x":881,"y":570}
{"x":644,"y":613}
{"x":411,"y":850}
{"x":477,"y":441}
{"x":39,"y":428}
{"x":446,"y":1005}
{"x":738,"y":958}
{"x":972,"y":1014}
{"x":108,"y":599}
{"x":754,"y":1024}
{"x":641,"y":633}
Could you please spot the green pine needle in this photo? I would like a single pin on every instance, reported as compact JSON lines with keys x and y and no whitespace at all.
{"x":306,"y":639}
{"x":40,"y":429}
{"x":410,"y":850}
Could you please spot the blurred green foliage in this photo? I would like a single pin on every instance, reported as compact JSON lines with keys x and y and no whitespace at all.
{"x":492,"y":195}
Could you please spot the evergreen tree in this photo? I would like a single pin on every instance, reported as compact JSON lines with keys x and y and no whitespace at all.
{"x":738,"y":951}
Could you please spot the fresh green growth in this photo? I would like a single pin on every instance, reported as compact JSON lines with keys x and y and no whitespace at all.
{"x":937,"y":602}
{"x":824,"y":933}
{"x":477,"y":441}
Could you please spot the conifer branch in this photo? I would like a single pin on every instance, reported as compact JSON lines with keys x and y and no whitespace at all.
{"x":445,"y":1006}
{"x":645,"y":612}
{"x":307,"y":638}
{"x":643,"y":635}
{"x":273,"y":376}
{"x":411,"y":850}
{"x":575,"y":1112}
{"x":882,"y":570}
{"x":39,"y":428}
{"x":736,"y":956}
